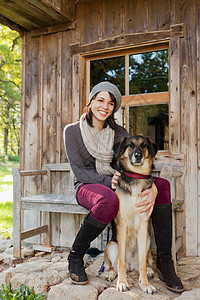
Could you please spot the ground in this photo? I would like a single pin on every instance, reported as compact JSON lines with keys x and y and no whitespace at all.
{"x":48,"y":273}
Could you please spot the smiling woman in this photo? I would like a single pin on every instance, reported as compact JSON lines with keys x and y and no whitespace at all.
{"x":102,"y":107}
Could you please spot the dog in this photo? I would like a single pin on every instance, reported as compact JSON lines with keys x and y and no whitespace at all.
{"x":132,"y":251}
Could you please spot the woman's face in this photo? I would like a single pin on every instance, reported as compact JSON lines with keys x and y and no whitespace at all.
{"x":102,"y":107}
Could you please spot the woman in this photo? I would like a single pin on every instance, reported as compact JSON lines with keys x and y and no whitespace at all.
{"x":89,"y":145}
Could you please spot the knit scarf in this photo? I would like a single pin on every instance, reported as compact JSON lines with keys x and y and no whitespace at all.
{"x":99,"y":145}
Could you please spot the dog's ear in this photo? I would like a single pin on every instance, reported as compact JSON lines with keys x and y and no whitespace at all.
{"x":119,"y":146}
{"x":153,"y":148}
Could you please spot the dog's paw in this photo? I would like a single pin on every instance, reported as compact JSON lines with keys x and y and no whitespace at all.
{"x":122,"y":286}
{"x":111,"y":275}
{"x":148,"y":289}
{"x":150,"y":273}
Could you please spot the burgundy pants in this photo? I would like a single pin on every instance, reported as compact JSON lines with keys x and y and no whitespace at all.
{"x":104,"y":203}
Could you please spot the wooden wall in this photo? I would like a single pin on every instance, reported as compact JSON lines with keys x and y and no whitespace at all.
{"x":54,"y":85}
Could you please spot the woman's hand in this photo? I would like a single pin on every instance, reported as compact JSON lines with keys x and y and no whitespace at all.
{"x":150,"y":201}
{"x":115,"y":179}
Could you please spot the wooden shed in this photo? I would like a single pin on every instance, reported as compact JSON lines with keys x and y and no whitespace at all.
{"x":69,"y":45}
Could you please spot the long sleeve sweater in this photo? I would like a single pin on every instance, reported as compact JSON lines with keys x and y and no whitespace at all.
{"x":81,"y":162}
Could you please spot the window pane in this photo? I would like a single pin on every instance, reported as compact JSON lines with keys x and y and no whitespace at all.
{"x":151,"y":121}
{"x":109,"y":69}
{"x":148,"y":72}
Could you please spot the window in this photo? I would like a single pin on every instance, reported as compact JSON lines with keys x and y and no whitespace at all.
{"x":143,"y":80}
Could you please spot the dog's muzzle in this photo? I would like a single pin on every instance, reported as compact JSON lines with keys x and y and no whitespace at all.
{"x":137,"y":158}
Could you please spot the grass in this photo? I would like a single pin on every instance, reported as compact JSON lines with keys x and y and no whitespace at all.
{"x":6,"y":220}
{"x":6,"y":180}
{"x":6,"y":205}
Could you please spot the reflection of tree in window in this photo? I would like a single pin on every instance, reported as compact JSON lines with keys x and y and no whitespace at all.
{"x":109,"y":69}
{"x":148,"y":72}
{"x":151,"y":121}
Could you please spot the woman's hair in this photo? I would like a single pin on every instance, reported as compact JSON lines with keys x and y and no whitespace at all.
{"x":109,"y":121}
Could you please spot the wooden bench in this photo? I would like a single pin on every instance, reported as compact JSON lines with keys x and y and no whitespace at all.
{"x":66,"y":203}
{"x":47,"y":202}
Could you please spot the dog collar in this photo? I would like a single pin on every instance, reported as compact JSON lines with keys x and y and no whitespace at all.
{"x":135,"y":175}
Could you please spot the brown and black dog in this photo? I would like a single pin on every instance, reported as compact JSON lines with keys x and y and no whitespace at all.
{"x":132,"y":251}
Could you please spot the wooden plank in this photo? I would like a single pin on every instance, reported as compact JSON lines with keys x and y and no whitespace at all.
{"x":44,"y":248}
{"x":198,"y":88}
{"x":158,"y":15}
{"x":49,"y":10}
{"x":50,"y":198}
{"x":55,"y":228}
{"x":67,"y":92}
{"x":75,"y":88}
{"x":58,"y":167}
{"x":186,"y":12}
{"x":59,"y":98}
{"x":179,"y":243}
{"x":136,"y":16}
{"x":33,"y":232}
{"x":55,"y":218}
{"x":69,"y":208}
{"x":32,"y":139}
{"x":33,"y":172}
{"x":53,"y":29}
{"x":31,"y":12}
{"x":45,"y":220}
{"x":67,"y":229}
{"x":174,"y":86}
{"x":198,"y":115}
{"x":23,"y":96}
{"x":145,"y":99}
{"x":129,"y":40}
{"x":63,"y":7}
{"x":12,"y":25}
{"x":18,"y":18}
{"x":113,"y":15}
{"x":50,"y":98}
{"x":90,"y":16}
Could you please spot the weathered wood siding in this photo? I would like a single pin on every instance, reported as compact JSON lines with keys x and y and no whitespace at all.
{"x":54,"y":88}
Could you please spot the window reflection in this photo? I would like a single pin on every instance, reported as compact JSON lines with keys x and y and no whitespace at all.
{"x":108,"y":69}
{"x":151,"y":121}
{"x":148,"y":72}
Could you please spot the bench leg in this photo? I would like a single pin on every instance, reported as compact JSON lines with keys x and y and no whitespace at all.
{"x":46,"y":220}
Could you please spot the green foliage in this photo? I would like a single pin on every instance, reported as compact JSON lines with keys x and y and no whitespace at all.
{"x":22,"y":293}
{"x":109,"y":69}
{"x":6,"y":220}
{"x":148,"y":72}
{"x":6,"y":205}
{"x":10,"y":94}
{"x":13,"y":158}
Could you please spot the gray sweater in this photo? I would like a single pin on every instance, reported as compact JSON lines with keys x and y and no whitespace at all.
{"x":81,"y":162}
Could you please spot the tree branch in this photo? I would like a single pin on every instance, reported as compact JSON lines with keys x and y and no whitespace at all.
{"x":15,"y":43}
{"x":9,"y":81}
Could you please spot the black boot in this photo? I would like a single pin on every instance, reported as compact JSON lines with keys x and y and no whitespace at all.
{"x":162,"y":225}
{"x":90,"y":230}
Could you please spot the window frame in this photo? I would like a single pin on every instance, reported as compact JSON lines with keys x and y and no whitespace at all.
{"x":134,"y":99}
{"x":171,"y":38}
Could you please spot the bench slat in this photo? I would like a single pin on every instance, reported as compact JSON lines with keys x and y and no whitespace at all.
{"x":58,"y":167}
{"x":53,"y":203}
{"x":50,"y":198}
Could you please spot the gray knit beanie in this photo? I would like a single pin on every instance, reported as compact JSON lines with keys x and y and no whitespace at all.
{"x":109,"y":87}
